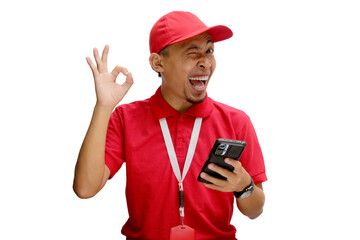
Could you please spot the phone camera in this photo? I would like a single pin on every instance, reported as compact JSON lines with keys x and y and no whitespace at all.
{"x":222,"y":146}
{"x":221,"y":149}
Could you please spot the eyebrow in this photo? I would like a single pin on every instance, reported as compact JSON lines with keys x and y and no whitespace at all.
{"x":196,"y":47}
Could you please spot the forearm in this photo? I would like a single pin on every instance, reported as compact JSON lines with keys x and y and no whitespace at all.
{"x":90,"y":167}
{"x":253,"y":205}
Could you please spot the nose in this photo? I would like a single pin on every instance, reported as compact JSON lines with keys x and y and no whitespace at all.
{"x":204,"y":63}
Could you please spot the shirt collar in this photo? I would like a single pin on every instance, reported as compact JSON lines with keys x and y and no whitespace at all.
{"x":161,"y":109}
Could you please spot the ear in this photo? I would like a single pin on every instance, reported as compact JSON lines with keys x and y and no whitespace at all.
{"x":155,"y":62}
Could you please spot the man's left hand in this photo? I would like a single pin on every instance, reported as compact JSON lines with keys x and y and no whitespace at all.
{"x":236,"y":181}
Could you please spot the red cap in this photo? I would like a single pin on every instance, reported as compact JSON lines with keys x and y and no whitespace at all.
{"x":178,"y":26}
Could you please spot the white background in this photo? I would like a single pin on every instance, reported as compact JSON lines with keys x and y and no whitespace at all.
{"x":293,"y":66}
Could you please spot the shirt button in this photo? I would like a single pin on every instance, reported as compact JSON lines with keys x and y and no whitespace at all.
{"x":181,"y":140}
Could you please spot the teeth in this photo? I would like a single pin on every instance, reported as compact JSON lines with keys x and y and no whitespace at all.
{"x":199,"y":87}
{"x":204,"y":78}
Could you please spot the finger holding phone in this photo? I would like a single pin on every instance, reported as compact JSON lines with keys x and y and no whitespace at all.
{"x":236,"y":180}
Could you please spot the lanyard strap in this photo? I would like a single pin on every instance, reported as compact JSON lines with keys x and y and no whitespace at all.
{"x":173,"y":159}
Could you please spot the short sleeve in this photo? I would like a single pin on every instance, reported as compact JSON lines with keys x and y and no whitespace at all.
{"x":114,"y":148}
{"x":252,"y":158}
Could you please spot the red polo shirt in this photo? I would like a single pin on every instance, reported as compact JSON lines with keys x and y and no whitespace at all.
{"x":134,"y":136}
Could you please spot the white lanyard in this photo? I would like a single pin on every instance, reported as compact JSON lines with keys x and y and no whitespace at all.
{"x":173,"y":159}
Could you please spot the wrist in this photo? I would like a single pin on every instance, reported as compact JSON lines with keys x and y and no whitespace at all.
{"x":247,"y":191}
{"x":102,"y":112}
{"x":103,"y":108}
{"x":246,"y":181}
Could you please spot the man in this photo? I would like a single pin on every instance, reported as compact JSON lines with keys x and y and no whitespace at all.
{"x":154,"y":138}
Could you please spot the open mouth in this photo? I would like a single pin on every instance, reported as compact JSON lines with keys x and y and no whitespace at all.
{"x":199,"y":82}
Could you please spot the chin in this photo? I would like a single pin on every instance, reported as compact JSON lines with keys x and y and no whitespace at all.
{"x":195,"y":100}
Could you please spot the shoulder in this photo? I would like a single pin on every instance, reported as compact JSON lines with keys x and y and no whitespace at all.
{"x":235,"y":119}
{"x":229,"y":112}
{"x":133,"y":107}
{"x":130,"y":112}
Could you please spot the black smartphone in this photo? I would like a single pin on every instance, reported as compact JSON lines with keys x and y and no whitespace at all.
{"x":222,"y":148}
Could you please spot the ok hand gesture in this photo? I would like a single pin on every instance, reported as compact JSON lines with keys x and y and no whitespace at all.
{"x":108,"y":92}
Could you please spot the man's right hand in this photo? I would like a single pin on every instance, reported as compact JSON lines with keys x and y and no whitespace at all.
{"x":108,"y":92}
{"x":91,"y":172}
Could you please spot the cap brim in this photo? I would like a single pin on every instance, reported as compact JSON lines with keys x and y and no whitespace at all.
{"x":218,"y":33}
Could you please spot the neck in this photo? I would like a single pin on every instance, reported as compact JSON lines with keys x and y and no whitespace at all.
{"x":180,"y":105}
